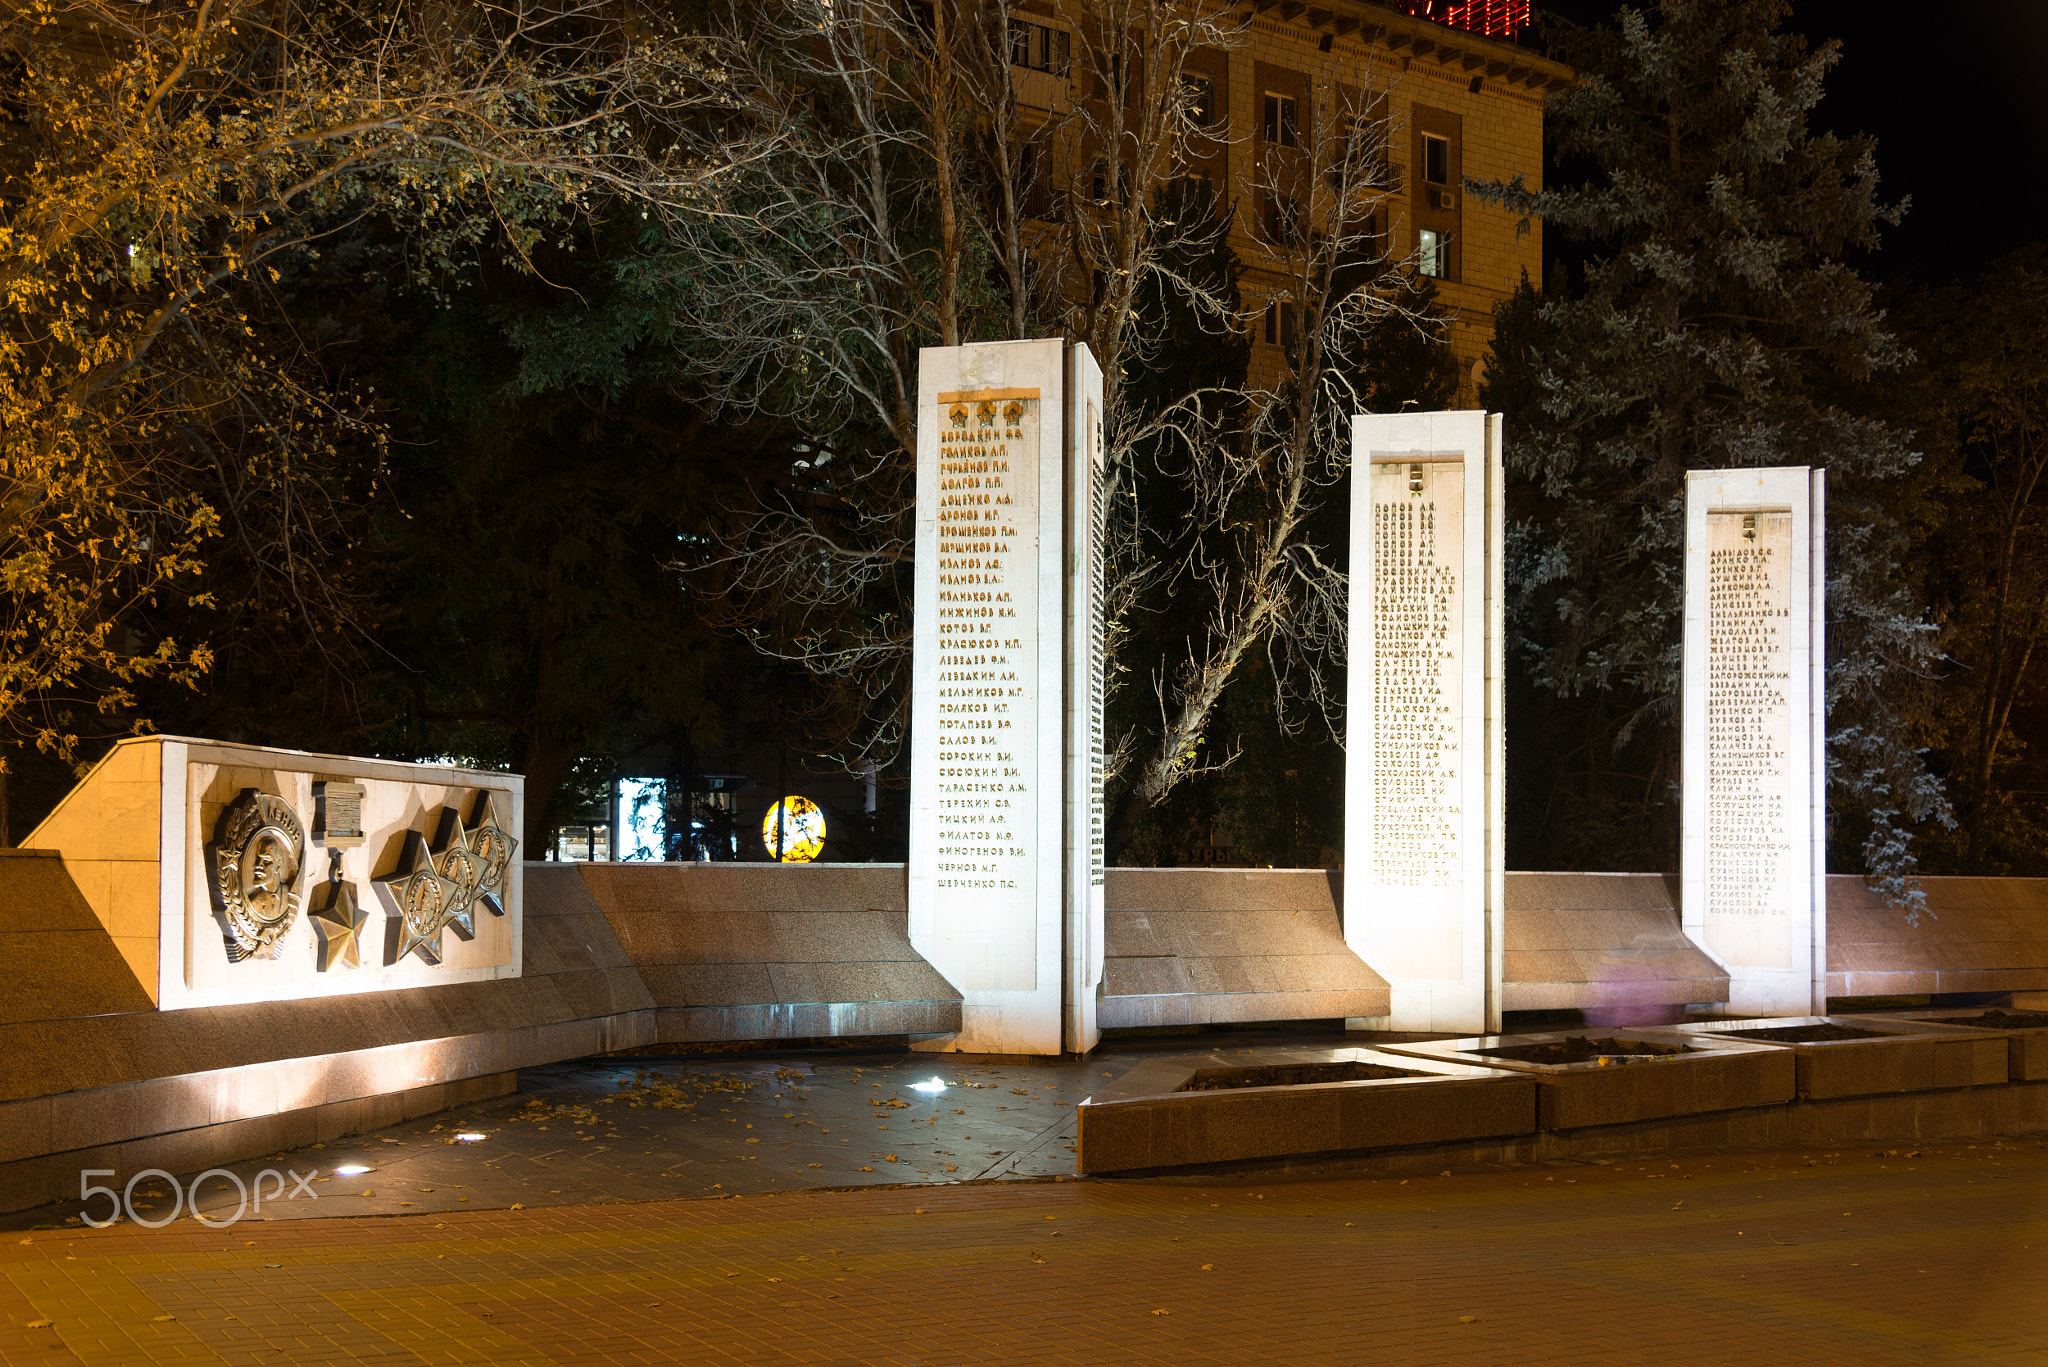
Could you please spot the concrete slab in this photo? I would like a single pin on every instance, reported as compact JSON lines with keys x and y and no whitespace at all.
{"x":1887,"y":1056}
{"x":1621,"y":1088}
{"x":2026,"y":1044}
{"x":1216,"y":1108}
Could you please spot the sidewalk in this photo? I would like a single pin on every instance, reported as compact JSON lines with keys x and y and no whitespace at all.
{"x":1866,"y":1258}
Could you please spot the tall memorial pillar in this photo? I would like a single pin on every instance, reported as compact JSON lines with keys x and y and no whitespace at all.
{"x":1753,"y":858}
{"x":1424,"y":814}
{"x":1005,"y":877}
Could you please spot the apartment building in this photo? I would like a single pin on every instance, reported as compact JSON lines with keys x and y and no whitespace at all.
{"x":1458,"y":96}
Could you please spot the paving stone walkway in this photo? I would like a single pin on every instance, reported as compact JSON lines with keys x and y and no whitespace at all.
{"x":1864,"y":1257}
{"x":615,"y":1129}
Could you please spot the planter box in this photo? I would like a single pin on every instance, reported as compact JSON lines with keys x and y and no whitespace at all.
{"x":1895,"y":1056}
{"x":2026,"y":1058}
{"x":1210,"y":1108}
{"x":1710,"y":1075}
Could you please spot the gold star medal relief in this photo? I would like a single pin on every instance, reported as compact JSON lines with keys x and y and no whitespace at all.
{"x":493,"y":847}
{"x":439,"y":886}
{"x":339,"y":924}
{"x":418,"y":900}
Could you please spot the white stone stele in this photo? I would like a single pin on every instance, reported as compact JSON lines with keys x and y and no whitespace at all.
{"x":1424,"y":814}
{"x":1087,"y":509}
{"x":1753,"y":846}
{"x":1005,"y":765}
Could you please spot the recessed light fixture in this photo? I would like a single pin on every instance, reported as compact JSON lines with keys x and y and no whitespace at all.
{"x":351,"y":1169}
{"x":931,"y":1088}
{"x":470,"y":1137}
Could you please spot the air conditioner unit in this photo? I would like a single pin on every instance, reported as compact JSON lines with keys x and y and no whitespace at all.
{"x":1442,"y":199}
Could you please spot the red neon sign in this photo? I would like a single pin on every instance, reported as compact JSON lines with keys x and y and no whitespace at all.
{"x":1490,"y":18}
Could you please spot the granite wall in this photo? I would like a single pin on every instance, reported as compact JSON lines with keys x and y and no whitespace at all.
{"x":91,"y":1076}
{"x":757,"y":951}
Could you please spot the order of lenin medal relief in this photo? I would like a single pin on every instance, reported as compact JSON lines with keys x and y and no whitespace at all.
{"x":256,"y":857}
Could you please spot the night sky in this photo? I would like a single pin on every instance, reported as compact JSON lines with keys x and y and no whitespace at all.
{"x":1955,"y":96}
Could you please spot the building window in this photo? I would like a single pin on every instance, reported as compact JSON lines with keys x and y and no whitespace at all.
{"x":1281,"y":319}
{"x":1436,"y":160}
{"x":1200,"y":94}
{"x":1040,"y":48}
{"x":1283,"y":221}
{"x":1429,"y":253}
{"x":1361,"y":241}
{"x":1100,"y":185}
{"x":1283,"y":124}
{"x":1366,"y":151}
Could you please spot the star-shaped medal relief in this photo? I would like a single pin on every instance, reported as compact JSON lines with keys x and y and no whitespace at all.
{"x":493,"y":847}
{"x":340,"y":925}
{"x":456,"y":861}
{"x":420,"y":897}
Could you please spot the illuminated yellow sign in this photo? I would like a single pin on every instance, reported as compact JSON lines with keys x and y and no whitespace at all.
{"x":794,"y":830}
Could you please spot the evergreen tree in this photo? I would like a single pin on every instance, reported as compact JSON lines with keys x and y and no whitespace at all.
{"x":1980,"y":403}
{"x":1715,"y":326}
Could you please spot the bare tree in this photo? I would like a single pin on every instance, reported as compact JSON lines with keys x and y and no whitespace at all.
{"x":909,"y":173}
{"x":1262,"y":462}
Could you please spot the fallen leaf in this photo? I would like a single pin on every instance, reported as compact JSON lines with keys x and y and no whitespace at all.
{"x":866,"y":1169}
{"x":159,"y":1319}
{"x":1208,"y":1267}
{"x":1162,"y":1312}
{"x":1468,"y":1319}
{"x":517,"y":1205}
{"x":369,"y":1193}
{"x":39,"y":1324}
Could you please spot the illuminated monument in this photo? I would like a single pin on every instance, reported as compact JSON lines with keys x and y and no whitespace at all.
{"x":1754,"y":841}
{"x":1424,"y":900}
{"x":1005,"y":876}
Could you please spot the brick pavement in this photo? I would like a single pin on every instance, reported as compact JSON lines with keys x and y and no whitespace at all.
{"x":1866,"y":1258}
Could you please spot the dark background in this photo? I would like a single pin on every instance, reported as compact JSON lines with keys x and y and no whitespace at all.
{"x":1955,"y":96}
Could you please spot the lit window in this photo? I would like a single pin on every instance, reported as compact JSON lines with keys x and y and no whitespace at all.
{"x":1429,"y":252}
{"x":1436,"y":160}
{"x":1283,"y":125}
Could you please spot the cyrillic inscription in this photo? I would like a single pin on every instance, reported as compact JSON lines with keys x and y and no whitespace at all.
{"x":1417,"y":512}
{"x":1749,"y":713}
{"x":986,"y":638}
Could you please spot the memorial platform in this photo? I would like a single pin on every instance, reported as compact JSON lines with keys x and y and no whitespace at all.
{"x":624,"y":956}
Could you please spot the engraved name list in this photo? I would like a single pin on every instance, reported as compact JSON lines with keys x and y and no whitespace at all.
{"x":1749,"y":715}
{"x":987,"y":610}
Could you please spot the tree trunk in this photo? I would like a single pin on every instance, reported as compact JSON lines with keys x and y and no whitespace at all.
{"x":1123,"y":825}
{"x":547,"y":759}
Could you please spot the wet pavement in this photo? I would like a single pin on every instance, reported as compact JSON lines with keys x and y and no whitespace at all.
{"x":649,"y":1128}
